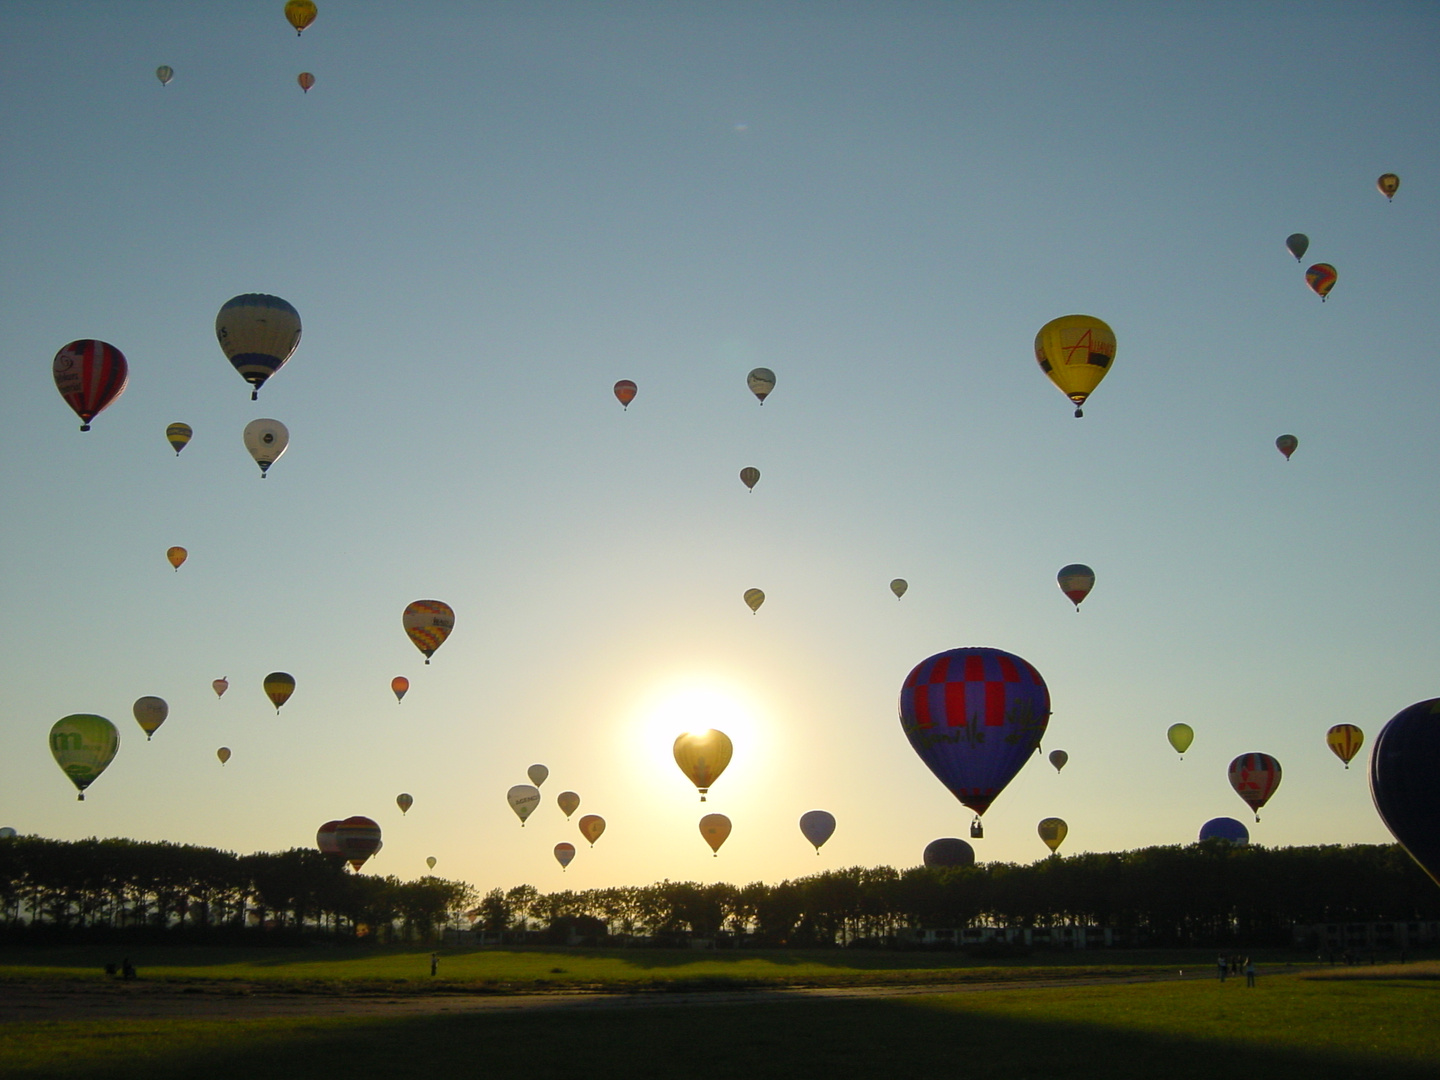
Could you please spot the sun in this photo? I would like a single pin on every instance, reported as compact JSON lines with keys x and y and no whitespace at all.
{"x":696,"y":703}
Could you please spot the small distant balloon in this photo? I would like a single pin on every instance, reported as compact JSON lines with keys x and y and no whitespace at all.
{"x":266,"y":440}
{"x":1297,"y":244}
{"x":1226,"y":829}
{"x":523,"y":799}
{"x":591,"y":826}
{"x":83,"y":745}
{"x":1255,"y":778}
{"x":715,"y":828}
{"x":564,"y":853}
{"x":177,"y":556}
{"x":1321,"y":279}
{"x":761,"y":381}
{"x":702,"y":757}
{"x":949,"y":851}
{"x":1388,"y":184}
{"x":817,"y":826}
{"x":625,"y":392}
{"x":179,"y":436}
{"x":90,"y":375}
{"x":279,"y":685}
{"x":1053,"y":831}
{"x":428,"y":623}
{"x":1344,"y":741}
{"x":430,"y":861}
{"x":750,"y":476}
{"x":1286,"y":444}
{"x":568,"y":802}
{"x":223,"y":754}
{"x":1076,"y":581}
{"x":754,"y":598}
{"x":1404,"y":766}
{"x":398,"y":686}
{"x":1058,"y":758}
{"x":300,"y":14}
{"x":1180,"y":737}
{"x":220,"y":686}
{"x":404,"y":800}
{"x":537,"y":774}
{"x":150,"y":712}
{"x":1076,"y":352}
{"x":306,"y":81}
{"x":898,"y":587}
{"x":164,"y":73}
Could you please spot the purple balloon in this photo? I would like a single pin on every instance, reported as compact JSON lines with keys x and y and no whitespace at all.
{"x":1405,"y":781}
{"x":1225,"y":828}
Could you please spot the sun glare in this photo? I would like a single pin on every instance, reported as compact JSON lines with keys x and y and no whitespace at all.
{"x":695,"y":704}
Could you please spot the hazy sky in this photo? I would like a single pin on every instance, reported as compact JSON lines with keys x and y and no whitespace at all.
{"x":486,"y":214}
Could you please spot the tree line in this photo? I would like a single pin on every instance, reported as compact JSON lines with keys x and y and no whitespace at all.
{"x":1201,"y":894}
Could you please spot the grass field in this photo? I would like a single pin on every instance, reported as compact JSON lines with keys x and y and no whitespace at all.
{"x":1290,"y":1025}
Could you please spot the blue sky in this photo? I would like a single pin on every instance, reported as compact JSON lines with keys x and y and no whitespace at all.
{"x":486,"y":214}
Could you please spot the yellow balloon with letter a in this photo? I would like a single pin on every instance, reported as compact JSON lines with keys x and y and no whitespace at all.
{"x":702,"y":756}
{"x":1076,"y":352}
{"x":1053,"y":831}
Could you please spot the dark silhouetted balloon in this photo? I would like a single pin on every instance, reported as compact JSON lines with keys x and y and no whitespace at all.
{"x":1405,"y":781}
{"x":1225,"y":828}
{"x":949,"y":851}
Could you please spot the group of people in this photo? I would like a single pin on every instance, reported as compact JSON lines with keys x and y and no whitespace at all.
{"x":125,"y":970}
{"x":1234,"y":965}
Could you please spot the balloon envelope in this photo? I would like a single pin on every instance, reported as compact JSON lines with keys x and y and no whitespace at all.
{"x":430,"y":861}
{"x":974,"y":716}
{"x":220,"y":686}
{"x":326,"y":840}
{"x":428,"y":623}
{"x":150,"y":712}
{"x":625,"y":392}
{"x":1180,"y":737}
{"x":358,"y":838}
{"x":223,"y":754}
{"x":715,"y":828}
{"x":1076,"y":581}
{"x":591,"y":826}
{"x":523,"y":798}
{"x":1404,"y":767}
{"x":90,"y":375}
{"x":1255,"y":778}
{"x":564,"y":853}
{"x":1297,"y":244}
{"x":300,"y":14}
{"x":898,"y":587}
{"x":1388,"y":184}
{"x":1225,"y":828}
{"x":1321,"y":278}
{"x":702,"y":756}
{"x":949,"y":851}
{"x":750,"y":476}
{"x":257,"y":333}
{"x":177,"y":555}
{"x":7,"y":833}
{"x":817,"y":826}
{"x":306,"y":80}
{"x":568,"y":802}
{"x":1344,"y":741}
{"x":1053,"y":831}
{"x":279,"y":685}
{"x":398,"y":686}
{"x":1287,"y":444}
{"x":164,"y":73}
{"x":83,"y":745}
{"x":761,"y":381}
{"x":179,"y":436}
{"x":1076,"y":352}
{"x":537,"y":774}
{"x":266,"y":440}
{"x":404,"y":800}
{"x":1058,"y":758}
{"x":754,"y":598}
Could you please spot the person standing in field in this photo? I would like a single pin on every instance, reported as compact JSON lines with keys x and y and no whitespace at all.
{"x":1249,"y":972}
{"x":1221,"y":966}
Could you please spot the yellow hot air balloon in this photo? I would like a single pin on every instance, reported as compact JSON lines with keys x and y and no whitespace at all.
{"x":702,"y":756}
{"x":1076,"y":351}
{"x":1388,"y":184}
{"x":150,"y":712}
{"x":430,"y":861}
{"x":591,"y":826}
{"x":177,"y":555}
{"x":428,"y":623}
{"x":278,"y":687}
{"x":568,"y":802}
{"x":754,"y":598}
{"x":83,"y":745}
{"x":179,"y":436}
{"x":1053,"y":831}
{"x":537,"y":774}
{"x":1180,"y":736}
{"x":223,"y":754}
{"x":898,"y":587}
{"x":750,"y":476}
{"x":404,"y":801}
{"x":300,"y":14}
{"x":715,"y":828}
{"x":1345,"y":741}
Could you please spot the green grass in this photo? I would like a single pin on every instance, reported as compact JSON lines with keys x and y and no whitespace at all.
{"x":1285,"y":1027}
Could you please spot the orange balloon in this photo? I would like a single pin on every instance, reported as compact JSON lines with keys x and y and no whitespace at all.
{"x":399,"y":684}
{"x":177,"y":555}
{"x":591,"y":826}
{"x":306,"y":80}
{"x":625,"y":391}
{"x":715,"y":828}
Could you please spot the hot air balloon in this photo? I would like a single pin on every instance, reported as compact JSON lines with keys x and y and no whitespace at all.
{"x":563,"y":854}
{"x":761,"y":381}
{"x":300,"y":14}
{"x":702,"y":756}
{"x":898,"y":587}
{"x":177,"y":555}
{"x":1053,"y":831}
{"x":1076,"y":581}
{"x":179,"y":436}
{"x":591,"y":826}
{"x":83,"y":745}
{"x":278,"y":687}
{"x":1226,"y":829}
{"x":754,"y":598}
{"x":1345,"y":740}
{"x":428,"y":622}
{"x":430,"y":861}
{"x":220,"y":686}
{"x":715,"y":828}
{"x":523,"y":798}
{"x":398,"y":685}
{"x":1321,"y":279}
{"x":568,"y":802}
{"x":625,"y":391}
{"x":7,"y":833}
{"x":1076,"y":351}
{"x":164,"y":73}
{"x":1255,"y":778}
{"x":358,"y":838}
{"x":404,"y":800}
{"x":266,"y":440}
{"x":817,"y":826}
{"x":150,"y":712}
{"x":1404,"y":766}
{"x":1286,"y":444}
{"x":326,"y":840}
{"x":223,"y":754}
{"x":257,"y":333}
{"x":90,"y":375}
{"x":1297,"y":244}
{"x":306,"y":80}
{"x":537,"y":774}
{"x":1180,"y":736}
{"x":974,"y":716}
{"x":1388,"y":184}
{"x":750,"y":476}
{"x":949,"y":851}
{"x":1058,"y":758}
